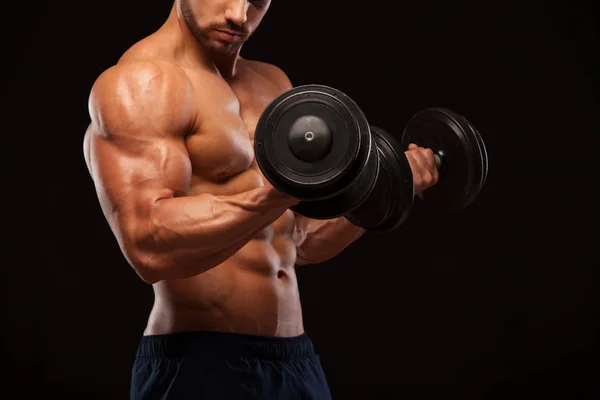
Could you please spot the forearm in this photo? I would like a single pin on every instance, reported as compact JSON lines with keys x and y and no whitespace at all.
{"x":320,"y":240}
{"x":186,"y":236}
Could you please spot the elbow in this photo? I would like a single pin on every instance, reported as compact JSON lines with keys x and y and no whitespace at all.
{"x":143,"y":247}
{"x":302,"y":259}
{"x":300,"y":262}
{"x":146,"y":259}
{"x":147,"y":265}
{"x":144,"y":254}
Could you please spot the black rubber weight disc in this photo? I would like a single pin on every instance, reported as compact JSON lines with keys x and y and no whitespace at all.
{"x":483,"y":149}
{"x":340,"y":149}
{"x":390,"y":202}
{"x":465,"y":169}
{"x":352,"y":197}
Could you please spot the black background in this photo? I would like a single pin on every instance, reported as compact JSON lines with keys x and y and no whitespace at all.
{"x":499,"y":301}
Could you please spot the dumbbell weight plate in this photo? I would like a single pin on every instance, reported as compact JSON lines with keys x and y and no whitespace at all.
{"x":312,"y":142}
{"x":391,"y":200}
{"x":465,"y":161}
{"x":355,"y":194}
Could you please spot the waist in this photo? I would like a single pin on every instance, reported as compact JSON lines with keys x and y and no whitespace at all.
{"x":228,"y":300}
{"x":225,"y":344}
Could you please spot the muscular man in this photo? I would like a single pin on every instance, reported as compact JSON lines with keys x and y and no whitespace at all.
{"x":170,"y":149}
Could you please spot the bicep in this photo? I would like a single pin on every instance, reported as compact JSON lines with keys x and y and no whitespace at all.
{"x":136,"y":150}
{"x":135,"y":172}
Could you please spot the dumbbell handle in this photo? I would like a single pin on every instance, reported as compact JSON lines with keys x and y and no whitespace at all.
{"x":440,"y":160}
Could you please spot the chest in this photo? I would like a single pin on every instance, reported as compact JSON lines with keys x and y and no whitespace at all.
{"x":222,"y":143}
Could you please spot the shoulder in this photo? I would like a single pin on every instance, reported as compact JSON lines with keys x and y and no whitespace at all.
{"x":141,"y":74}
{"x":272,"y":73}
{"x":143,"y":86}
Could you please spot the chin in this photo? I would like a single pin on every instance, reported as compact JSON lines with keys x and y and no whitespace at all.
{"x":225,"y":48}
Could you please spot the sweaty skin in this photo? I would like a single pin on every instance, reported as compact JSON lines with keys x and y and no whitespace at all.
{"x":170,"y":150}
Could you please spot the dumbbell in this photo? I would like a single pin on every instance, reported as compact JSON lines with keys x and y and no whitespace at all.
{"x":314,"y":143}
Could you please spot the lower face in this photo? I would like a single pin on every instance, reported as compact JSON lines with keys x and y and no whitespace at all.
{"x":210,"y":36}
{"x":223,"y":42}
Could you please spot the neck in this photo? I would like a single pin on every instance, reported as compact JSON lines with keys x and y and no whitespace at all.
{"x":226,"y":64}
{"x":192,"y":51}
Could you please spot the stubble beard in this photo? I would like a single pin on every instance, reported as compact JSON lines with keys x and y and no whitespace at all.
{"x":201,"y":35}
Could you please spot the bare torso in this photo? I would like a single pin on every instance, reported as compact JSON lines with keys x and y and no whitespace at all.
{"x":255,"y":291}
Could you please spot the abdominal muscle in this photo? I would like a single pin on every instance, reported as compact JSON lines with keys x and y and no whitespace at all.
{"x":253,"y":292}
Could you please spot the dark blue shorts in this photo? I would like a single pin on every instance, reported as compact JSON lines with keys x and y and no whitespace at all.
{"x":221,"y":366}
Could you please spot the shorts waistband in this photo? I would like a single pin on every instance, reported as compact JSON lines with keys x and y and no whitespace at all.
{"x":222,"y":344}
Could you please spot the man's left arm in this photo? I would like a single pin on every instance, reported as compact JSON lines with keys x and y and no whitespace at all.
{"x":320,"y":240}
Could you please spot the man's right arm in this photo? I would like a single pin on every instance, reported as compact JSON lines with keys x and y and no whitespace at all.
{"x":135,"y":151}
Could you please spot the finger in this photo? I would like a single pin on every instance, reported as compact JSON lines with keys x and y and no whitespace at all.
{"x":418,"y":160}
{"x":414,"y":159}
{"x":434,"y":165}
{"x":429,"y":160}
{"x":428,"y":169}
{"x":429,"y":156}
{"x":417,"y":172}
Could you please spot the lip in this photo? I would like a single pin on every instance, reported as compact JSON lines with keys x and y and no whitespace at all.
{"x":228,"y":35}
